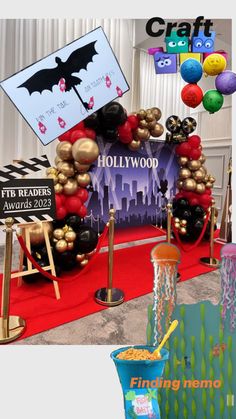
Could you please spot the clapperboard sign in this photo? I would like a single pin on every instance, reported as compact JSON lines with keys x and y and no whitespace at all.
{"x":59,"y":91}
{"x":26,"y":200}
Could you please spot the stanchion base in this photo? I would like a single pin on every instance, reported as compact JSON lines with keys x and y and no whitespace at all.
{"x":211,"y":262}
{"x":16,"y":328}
{"x":116,"y":299}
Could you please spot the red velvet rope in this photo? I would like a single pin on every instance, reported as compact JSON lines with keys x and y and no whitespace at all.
{"x":55,"y":278}
{"x":197,"y":241}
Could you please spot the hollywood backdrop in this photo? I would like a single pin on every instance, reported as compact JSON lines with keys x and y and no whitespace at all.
{"x":137,"y":184}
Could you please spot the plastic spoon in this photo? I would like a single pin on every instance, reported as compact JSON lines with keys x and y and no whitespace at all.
{"x":172,"y":327}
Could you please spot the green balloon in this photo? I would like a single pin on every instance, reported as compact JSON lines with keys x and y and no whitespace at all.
{"x":212,"y":101}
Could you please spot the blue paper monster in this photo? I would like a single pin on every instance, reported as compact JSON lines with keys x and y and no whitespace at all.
{"x":165,"y":63}
{"x":203,"y":43}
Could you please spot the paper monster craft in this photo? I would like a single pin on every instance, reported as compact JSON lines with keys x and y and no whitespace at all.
{"x":47,"y":78}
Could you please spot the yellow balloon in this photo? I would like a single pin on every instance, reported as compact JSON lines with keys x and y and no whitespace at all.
{"x":214,"y":64}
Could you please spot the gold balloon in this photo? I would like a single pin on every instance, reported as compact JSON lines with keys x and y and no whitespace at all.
{"x":57,"y":160}
{"x":158,"y":130}
{"x":182,"y":230}
{"x":134,"y":145}
{"x":177,"y":220}
{"x":141,"y":114}
{"x":150,"y":117}
{"x":157,"y":113}
{"x":70,"y":187}
{"x":203,"y":170}
{"x":209,"y":185}
{"x":58,"y":188}
{"x":53,"y":177}
{"x":179,"y":184}
{"x":61,"y":246}
{"x":62,"y":178}
{"x":189,"y":184}
{"x":83,"y":179}
{"x":143,"y":123}
{"x":198,"y":175}
{"x":66,"y":168}
{"x":70,"y":245}
{"x":183,"y":223}
{"x":51,"y":171}
{"x":36,"y":232}
{"x":80,"y":257}
{"x":212,"y":179}
{"x":58,"y":234}
{"x":194,"y":164}
{"x":81,"y":168}
{"x":64,"y":150}
{"x":184,"y":173}
{"x":183,"y":161}
{"x":143,"y":134}
{"x":202,"y":158}
{"x":84,"y":262}
{"x":200,"y":188}
{"x":152,"y":124}
{"x":70,"y":236}
{"x":177,"y":225}
{"x":54,"y":240}
{"x":85,"y":151}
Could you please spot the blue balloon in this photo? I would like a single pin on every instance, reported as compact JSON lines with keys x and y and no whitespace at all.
{"x":191,"y":70}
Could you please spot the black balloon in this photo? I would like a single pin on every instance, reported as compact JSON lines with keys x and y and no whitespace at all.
{"x":188,"y":125}
{"x":110,"y":135}
{"x":73,"y":221}
{"x":66,"y":260}
{"x":182,"y":203}
{"x":58,"y":223}
{"x":93,"y":121}
{"x":113,"y":114}
{"x":173,"y":123}
{"x":198,"y":224}
{"x":86,"y":240}
{"x":197,"y":211}
{"x":185,"y":214}
{"x":32,"y":278}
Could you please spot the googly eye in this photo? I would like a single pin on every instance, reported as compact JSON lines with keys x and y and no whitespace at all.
{"x":161,"y":64}
{"x":208,"y":43}
{"x":167,"y":61}
{"x":198,"y":43}
{"x":172,"y":44}
{"x":181,"y":43}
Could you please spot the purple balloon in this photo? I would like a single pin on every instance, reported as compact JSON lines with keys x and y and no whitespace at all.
{"x":226,"y":82}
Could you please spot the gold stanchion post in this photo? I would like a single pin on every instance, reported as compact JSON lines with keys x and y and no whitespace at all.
{"x":168,"y":230}
{"x":211,"y":261}
{"x":110,"y":296}
{"x":11,"y":327}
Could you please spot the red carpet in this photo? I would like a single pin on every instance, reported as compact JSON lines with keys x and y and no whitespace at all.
{"x":124,"y":235}
{"x":133,"y":273}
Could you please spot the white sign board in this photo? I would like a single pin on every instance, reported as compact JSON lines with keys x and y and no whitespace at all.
{"x":59,"y":91}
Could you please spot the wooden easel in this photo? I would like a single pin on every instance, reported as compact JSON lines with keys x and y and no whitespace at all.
{"x":25,"y":231}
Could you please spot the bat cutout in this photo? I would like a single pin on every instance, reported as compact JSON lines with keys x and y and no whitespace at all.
{"x":47,"y":78}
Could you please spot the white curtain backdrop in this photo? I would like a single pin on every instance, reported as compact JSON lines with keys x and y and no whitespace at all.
{"x":162,"y":90}
{"x":22,"y":42}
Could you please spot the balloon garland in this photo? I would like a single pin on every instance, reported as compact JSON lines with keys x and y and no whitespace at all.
{"x":191,"y":72}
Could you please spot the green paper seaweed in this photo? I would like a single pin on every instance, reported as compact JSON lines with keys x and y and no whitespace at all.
{"x":130,"y":396}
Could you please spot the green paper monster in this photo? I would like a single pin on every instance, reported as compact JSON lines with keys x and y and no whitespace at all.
{"x":212,"y":101}
{"x":176,"y":44}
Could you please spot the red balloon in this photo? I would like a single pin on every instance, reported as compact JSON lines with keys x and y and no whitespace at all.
{"x":194,"y":201}
{"x":125,"y":133}
{"x":65,"y":136}
{"x":183,"y":149}
{"x":208,"y":191}
{"x":82,"y":194}
{"x":90,"y":133}
{"x":82,"y":212}
{"x":76,"y":135}
{"x":179,"y":195}
{"x":205,"y":199}
{"x":133,"y":121}
{"x":195,"y":153}
{"x":192,"y":95}
{"x":73,"y":204}
{"x":61,"y":213}
{"x":80,"y":125}
{"x":58,"y":200}
{"x":194,"y":141}
{"x":63,"y":198}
